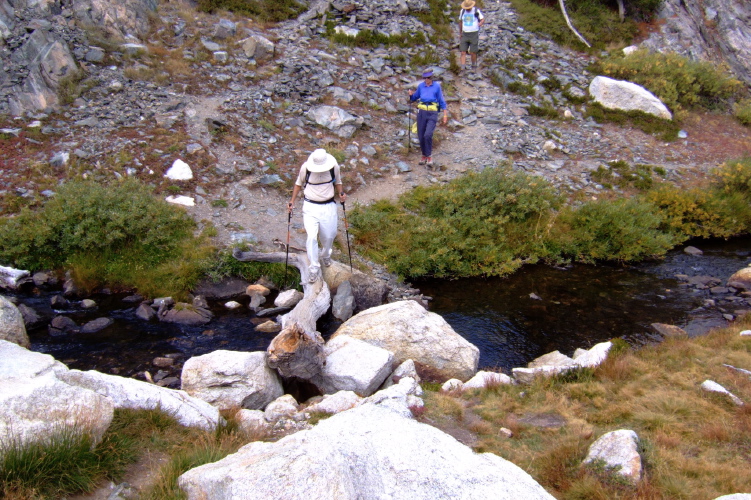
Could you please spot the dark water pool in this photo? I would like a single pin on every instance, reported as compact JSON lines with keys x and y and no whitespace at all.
{"x":541,"y":309}
{"x":512,"y":320}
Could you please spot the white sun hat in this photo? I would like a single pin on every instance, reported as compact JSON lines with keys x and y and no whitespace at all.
{"x":320,"y":161}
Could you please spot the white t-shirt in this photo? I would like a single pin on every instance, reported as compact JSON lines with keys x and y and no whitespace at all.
{"x":320,"y":187}
{"x":470,"y":22}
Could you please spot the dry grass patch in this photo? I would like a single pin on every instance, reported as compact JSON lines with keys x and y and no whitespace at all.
{"x":693,"y":444}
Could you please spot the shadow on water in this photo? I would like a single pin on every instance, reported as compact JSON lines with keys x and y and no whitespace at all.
{"x":542,"y":309}
{"x":512,"y":320}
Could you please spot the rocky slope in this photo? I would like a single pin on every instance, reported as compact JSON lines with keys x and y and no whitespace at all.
{"x":244,"y":104}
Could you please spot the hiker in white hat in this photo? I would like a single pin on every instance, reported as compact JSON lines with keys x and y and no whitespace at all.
{"x":317,"y":178}
{"x":470,"y":21}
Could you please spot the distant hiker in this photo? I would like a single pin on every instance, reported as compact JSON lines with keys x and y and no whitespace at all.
{"x":317,"y":178}
{"x":430,"y":101}
{"x":470,"y":20}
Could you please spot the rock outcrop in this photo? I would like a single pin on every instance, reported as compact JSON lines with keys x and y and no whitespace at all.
{"x":366,"y":452}
{"x":708,"y":30}
{"x":12,"y":326}
{"x":229,"y":379}
{"x":410,"y":332}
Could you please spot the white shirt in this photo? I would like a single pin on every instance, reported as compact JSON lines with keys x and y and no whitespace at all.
{"x":470,"y":22}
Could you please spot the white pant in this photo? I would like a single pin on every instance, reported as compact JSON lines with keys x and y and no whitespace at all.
{"x":319,"y":221}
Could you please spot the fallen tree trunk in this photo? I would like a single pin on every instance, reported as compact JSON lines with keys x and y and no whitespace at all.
{"x":297,"y":351}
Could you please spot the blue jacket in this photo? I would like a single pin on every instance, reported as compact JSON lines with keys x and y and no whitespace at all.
{"x":427,"y":95}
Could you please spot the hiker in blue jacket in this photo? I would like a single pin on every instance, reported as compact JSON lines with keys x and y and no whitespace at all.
{"x":430,"y":101}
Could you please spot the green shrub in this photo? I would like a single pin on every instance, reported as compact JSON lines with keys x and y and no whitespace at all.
{"x":667,"y":130}
{"x":677,"y":81}
{"x":487,"y":223}
{"x":702,"y":213}
{"x":620,"y":230}
{"x":260,"y":10}
{"x":367,"y":38}
{"x":742,"y":112}
{"x":119,"y":235}
{"x":544,"y":111}
{"x":623,"y":175}
{"x":734,"y":176}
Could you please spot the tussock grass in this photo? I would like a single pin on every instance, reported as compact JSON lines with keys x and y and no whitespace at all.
{"x":693,"y":444}
{"x":67,"y":464}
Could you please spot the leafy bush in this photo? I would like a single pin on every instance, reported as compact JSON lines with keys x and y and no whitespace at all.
{"x":701,"y":212}
{"x":734,"y":176}
{"x":742,"y":112}
{"x":368,"y":38}
{"x":620,"y":230}
{"x":667,"y":130}
{"x":487,"y":223}
{"x":623,"y":175}
{"x":490,"y":223}
{"x":119,"y":235}
{"x":677,"y":81}
{"x":260,"y":10}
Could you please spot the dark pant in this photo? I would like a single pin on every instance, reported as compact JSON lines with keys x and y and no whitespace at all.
{"x":426,"y":121}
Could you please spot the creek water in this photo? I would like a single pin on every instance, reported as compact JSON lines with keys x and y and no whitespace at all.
{"x":542,"y":309}
{"x":512,"y":320}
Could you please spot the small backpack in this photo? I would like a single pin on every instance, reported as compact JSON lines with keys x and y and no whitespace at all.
{"x":307,"y":178}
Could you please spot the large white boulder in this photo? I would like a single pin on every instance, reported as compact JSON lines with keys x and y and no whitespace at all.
{"x":627,"y":96}
{"x":368,"y":452}
{"x":618,"y":450}
{"x":135,"y":394}
{"x":12,"y":327}
{"x":231,"y":379}
{"x":18,"y":363}
{"x":353,"y":365}
{"x":35,"y":405}
{"x":36,"y":409}
{"x":410,"y":332}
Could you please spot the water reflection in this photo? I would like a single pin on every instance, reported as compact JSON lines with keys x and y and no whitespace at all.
{"x":542,"y":309}
{"x":512,"y":320}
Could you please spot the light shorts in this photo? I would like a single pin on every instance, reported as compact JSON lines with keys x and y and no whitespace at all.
{"x":470,"y":41}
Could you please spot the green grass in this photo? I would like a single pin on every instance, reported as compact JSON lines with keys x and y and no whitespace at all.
{"x":667,"y":130}
{"x":599,"y":25}
{"x":223,"y":265}
{"x":260,"y":10}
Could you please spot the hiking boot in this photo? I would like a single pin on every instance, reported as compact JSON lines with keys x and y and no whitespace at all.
{"x":423,"y":161}
{"x":314,"y":277}
{"x":429,"y":163}
{"x":327,"y":262}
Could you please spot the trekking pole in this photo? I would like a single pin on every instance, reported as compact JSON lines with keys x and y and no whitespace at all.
{"x":409,"y":130}
{"x":286,"y":257}
{"x":346,"y":230}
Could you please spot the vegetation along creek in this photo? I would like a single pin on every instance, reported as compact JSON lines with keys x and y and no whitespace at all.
{"x":512,"y":320}
{"x":589,"y":193}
